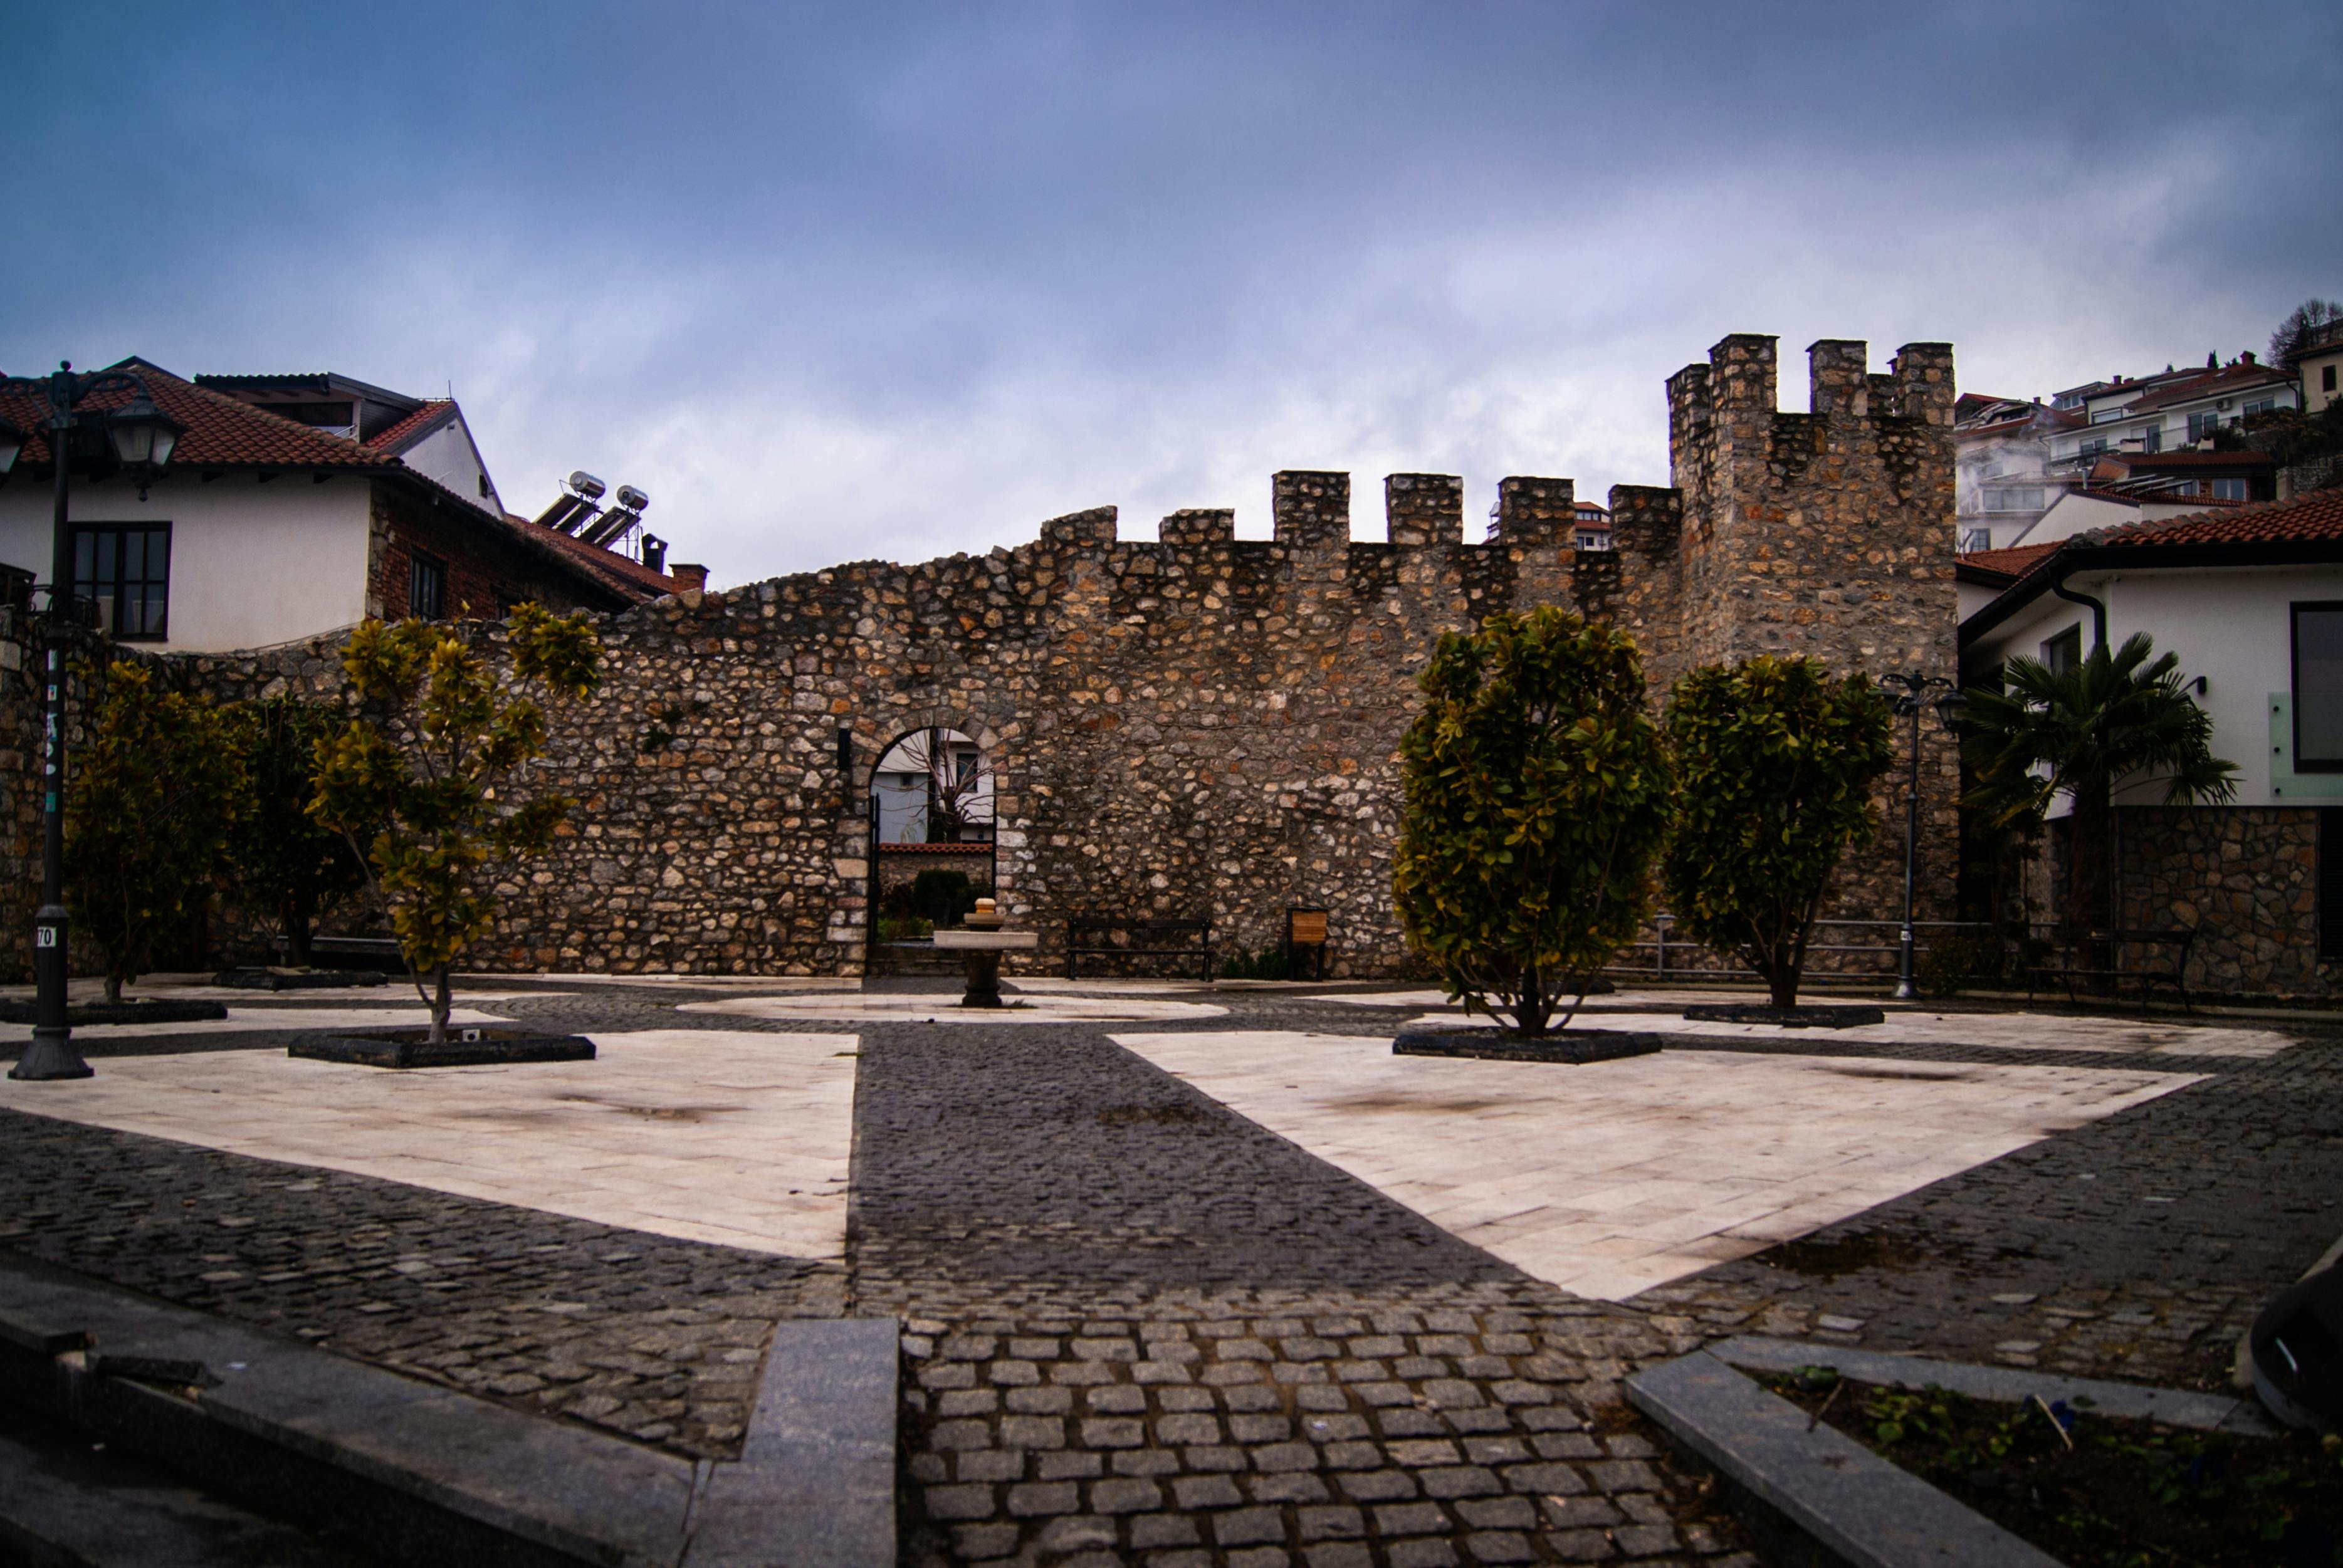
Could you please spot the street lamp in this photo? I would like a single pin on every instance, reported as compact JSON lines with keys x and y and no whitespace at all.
{"x":142,"y":436}
{"x":1914,"y":692}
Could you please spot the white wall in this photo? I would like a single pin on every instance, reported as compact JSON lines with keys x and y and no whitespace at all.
{"x":2231,"y":626}
{"x":449,"y":457}
{"x":251,"y":563}
{"x":2076,"y":511}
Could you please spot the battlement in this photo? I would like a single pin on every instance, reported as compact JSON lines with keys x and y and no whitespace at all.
{"x":1198,"y":526}
{"x":1535,"y":511}
{"x":1091,"y":529}
{"x":1424,"y":509}
{"x":1739,"y":386}
{"x":1310,"y":507}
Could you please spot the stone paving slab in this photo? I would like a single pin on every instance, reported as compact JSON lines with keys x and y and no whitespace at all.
{"x":1142,"y":1329}
{"x":640,"y":1334}
{"x":1610,"y":1179}
{"x":2136,"y":1248}
{"x":740,"y":1140}
{"x":943,"y":1007}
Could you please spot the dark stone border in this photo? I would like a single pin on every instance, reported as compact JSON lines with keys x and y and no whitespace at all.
{"x":157,"y":1010}
{"x":488,"y":1050}
{"x":2004,"y":1385}
{"x":1573,"y":1048}
{"x":1787,"y":1017}
{"x":421,"y":1474}
{"x":1809,"y":1492}
{"x":299,"y":979}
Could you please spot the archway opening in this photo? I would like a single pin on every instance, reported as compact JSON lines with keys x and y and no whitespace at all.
{"x":931,"y":831}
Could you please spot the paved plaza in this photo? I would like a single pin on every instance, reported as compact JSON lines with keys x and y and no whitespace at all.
{"x":1196,"y":1276}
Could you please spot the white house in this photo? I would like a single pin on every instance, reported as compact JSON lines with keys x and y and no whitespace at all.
{"x":2165,"y":413}
{"x":294,"y":506}
{"x":2250,"y":598}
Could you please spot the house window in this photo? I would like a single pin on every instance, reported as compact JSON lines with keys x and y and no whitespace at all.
{"x":1975,"y":539}
{"x":2327,"y":379}
{"x":2152,"y":438}
{"x":2264,"y":406}
{"x":2230,"y":490}
{"x":2318,"y":688}
{"x":2331,"y":884}
{"x":427,"y":587}
{"x":2013,"y":498}
{"x":2094,"y":447}
{"x":2202,"y":425}
{"x":2063,"y":651}
{"x":127,"y":568}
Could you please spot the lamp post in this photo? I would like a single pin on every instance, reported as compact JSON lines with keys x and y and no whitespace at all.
{"x":141,"y":437}
{"x":1914,"y":692}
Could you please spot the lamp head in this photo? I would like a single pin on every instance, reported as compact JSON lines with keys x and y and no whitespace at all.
{"x":144,"y":437}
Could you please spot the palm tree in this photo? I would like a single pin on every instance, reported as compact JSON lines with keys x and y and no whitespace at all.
{"x":2086,"y":732}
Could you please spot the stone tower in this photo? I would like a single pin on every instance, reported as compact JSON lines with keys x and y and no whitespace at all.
{"x":1829,"y":534}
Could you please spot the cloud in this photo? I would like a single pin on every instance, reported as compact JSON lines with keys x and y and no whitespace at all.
{"x":835,"y":282}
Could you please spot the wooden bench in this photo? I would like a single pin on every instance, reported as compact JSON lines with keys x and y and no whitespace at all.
{"x":2070,"y":949}
{"x":1144,"y":938}
{"x":350,"y":953}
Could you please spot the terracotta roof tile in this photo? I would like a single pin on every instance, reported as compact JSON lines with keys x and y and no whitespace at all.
{"x":2229,"y":379}
{"x":622,"y":570}
{"x":2013,"y":560}
{"x":221,"y":431}
{"x":2317,"y":515}
{"x":406,"y":431}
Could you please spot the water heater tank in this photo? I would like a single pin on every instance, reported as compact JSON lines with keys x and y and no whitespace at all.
{"x":632,"y":499}
{"x":582,"y":483}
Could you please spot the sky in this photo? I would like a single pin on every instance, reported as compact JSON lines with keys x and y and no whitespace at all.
{"x":840,"y":281}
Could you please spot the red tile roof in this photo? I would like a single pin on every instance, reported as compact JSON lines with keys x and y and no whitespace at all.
{"x":221,"y":431}
{"x":2229,"y":379}
{"x":624,"y":571}
{"x":420,"y":423}
{"x":2011,"y":561}
{"x":2317,"y":515}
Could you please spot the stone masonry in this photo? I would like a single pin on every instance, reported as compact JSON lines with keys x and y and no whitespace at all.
{"x":1198,"y":725}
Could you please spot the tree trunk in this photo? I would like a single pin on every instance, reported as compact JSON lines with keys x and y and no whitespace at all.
{"x":2087,"y":879}
{"x":1782,"y":988}
{"x":441,"y":1004}
{"x":1531,"y":1016}
{"x":298,"y":921}
{"x":114,"y":990}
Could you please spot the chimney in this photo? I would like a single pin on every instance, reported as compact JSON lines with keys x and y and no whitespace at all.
{"x":655,"y":552}
{"x":690,"y":574}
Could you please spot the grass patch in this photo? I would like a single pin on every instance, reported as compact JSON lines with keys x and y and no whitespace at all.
{"x":2095,"y":1491}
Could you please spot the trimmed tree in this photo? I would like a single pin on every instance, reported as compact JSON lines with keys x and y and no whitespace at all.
{"x":436,"y":770}
{"x":1536,"y":795}
{"x":1774,"y":765}
{"x":287,"y":865}
{"x":153,"y":795}
{"x":2110,"y":721}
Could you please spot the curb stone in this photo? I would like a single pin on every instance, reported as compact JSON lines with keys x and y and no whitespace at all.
{"x":1813,"y":1493}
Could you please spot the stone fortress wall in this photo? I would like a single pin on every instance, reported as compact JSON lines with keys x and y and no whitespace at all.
{"x":1201,"y":724}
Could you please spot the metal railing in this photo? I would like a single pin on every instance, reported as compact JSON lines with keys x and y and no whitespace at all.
{"x":1711,"y":964}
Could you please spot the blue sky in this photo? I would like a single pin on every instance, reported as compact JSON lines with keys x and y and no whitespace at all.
{"x":840,"y":281}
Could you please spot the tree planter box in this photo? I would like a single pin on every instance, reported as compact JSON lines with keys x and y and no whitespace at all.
{"x":1575,"y":1048}
{"x":152,"y":1011}
{"x":1787,"y":1017}
{"x":407,"y":1048}
{"x":298,"y":980}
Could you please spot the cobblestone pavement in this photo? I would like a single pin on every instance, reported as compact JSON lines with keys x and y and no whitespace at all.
{"x":1140,"y":1327}
{"x":655,"y":1338}
{"x":2137,"y":1247}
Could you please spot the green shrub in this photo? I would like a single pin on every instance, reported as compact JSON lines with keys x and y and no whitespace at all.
{"x":154,"y":794}
{"x":1536,"y":795}
{"x":936,"y":886}
{"x":1962,"y":959}
{"x":1774,"y":765}
{"x":288,"y":865}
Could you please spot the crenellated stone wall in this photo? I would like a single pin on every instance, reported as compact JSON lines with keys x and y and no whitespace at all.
{"x":1197,"y":725}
